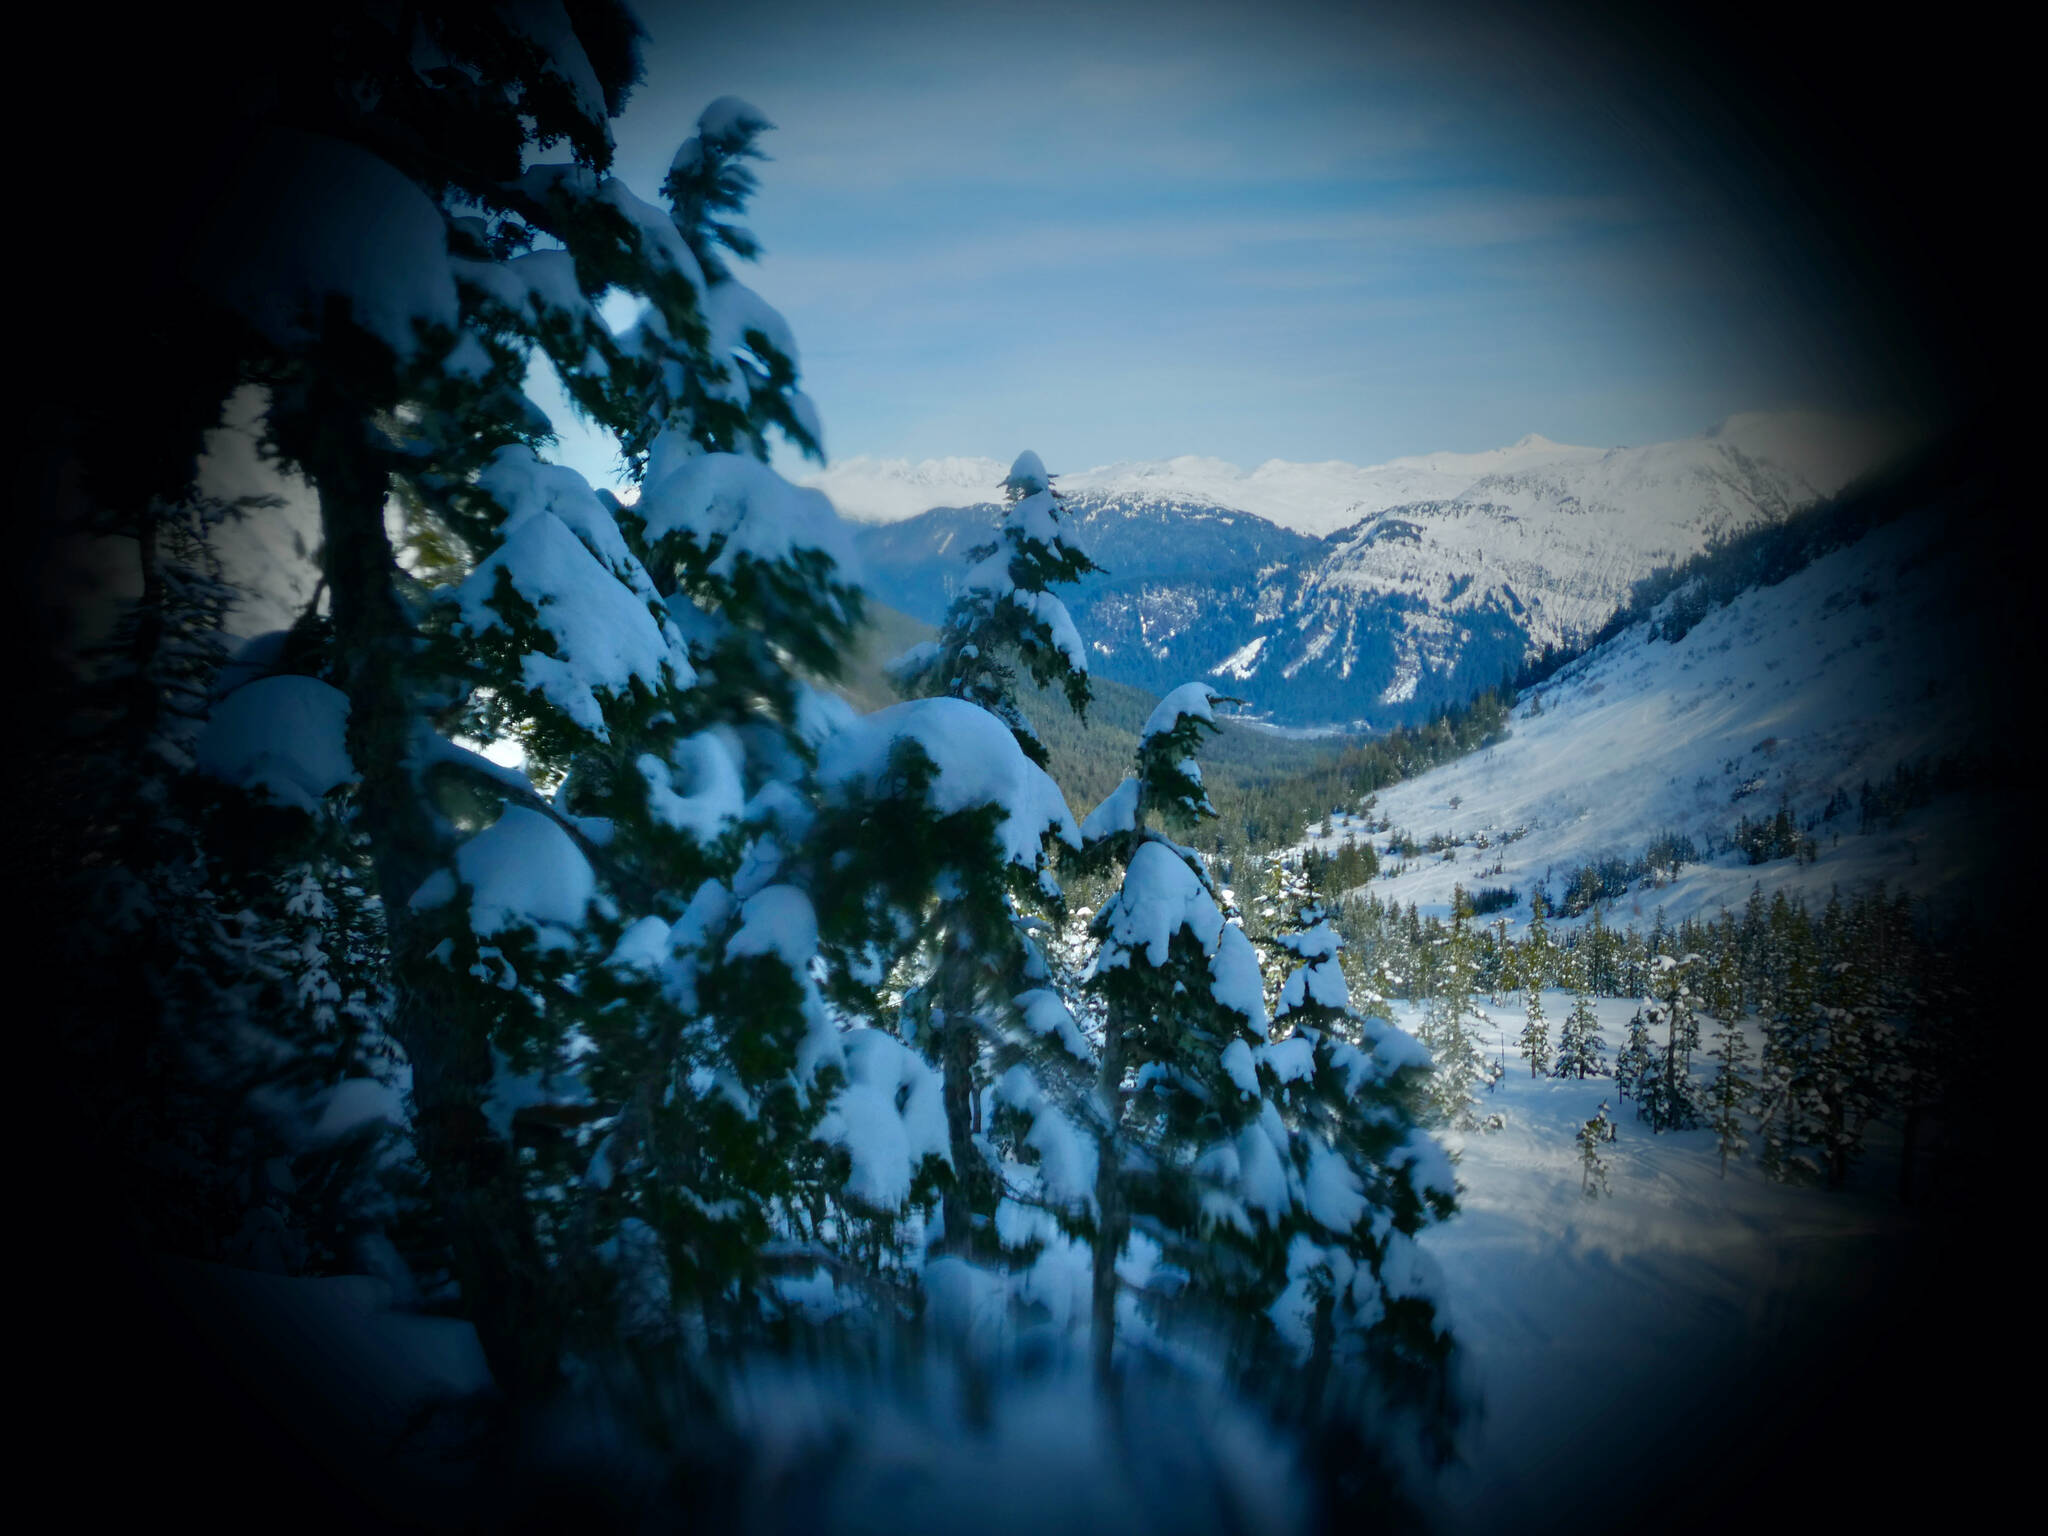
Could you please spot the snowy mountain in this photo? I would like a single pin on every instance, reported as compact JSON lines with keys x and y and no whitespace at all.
{"x":1320,"y":498}
{"x":1825,"y":452}
{"x":869,"y":490}
{"x":1794,"y":696}
{"x":1329,"y":593}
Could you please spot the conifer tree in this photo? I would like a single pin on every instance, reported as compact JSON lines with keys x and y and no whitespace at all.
{"x":1597,"y":941}
{"x":347,"y":267}
{"x":1789,"y":1086}
{"x":632,"y":953}
{"x":1754,"y":937}
{"x":1278,"y":1168}
{"x":1596,"y":1133}
{"x":1665,"y":1086}
{"x":1539,"y":953}
{"x":1853,"y":1070}
{"x":1535,"y":1033}
{"x":1634,"y":1060}
{"x":1579,"y":1045}
{"x":231,"y":1012}
{"x":941,"y":824}
{"x":1728,"y":1099}
{"x":1721,"y":981}
{"x":1453,"y":1026}
{"x":1005,"y":612}
{"x":1348,"y":1089}
{"x":1183,"y":991}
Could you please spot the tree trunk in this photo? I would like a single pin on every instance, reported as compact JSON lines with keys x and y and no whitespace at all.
{"x":958,"y":1052}
{"x":472,"y":1174}
{"x":1113,"y":1220}
{"x":1667,"y":1109}
{"x":1113,"y":1229}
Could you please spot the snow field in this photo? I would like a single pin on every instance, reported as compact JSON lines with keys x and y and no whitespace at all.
{"x":1609,"y":1336}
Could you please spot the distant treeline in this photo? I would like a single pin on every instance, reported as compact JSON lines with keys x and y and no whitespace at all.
{"x":1272,"y":813}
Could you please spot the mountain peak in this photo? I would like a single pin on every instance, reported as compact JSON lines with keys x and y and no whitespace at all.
{"x":1320,"y":498}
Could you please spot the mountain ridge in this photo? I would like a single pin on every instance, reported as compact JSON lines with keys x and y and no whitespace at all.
{"x":1320,"y":497}
{"x":1399,"y":609}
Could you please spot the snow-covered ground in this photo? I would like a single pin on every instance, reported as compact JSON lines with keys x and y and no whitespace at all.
{"x":1608,"y":1338}
{"x":1867,"y":658}
{"x":1614,"y":1346}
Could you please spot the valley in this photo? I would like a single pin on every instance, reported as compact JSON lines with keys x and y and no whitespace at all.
{"x":1332,"y":596}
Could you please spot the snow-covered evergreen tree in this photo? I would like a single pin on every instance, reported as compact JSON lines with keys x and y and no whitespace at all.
{"x":1598,"y":948}
{"x":1350,"y":1090}
{"x":605,"y":994}
{"x":1788,"y":1087}
{"x":1721,"y":979}
{"x":1006,"y":613}
{"x":1185,"y":1006}
{"x":1856,"y":1061}
{"x":1728,"y":1097}
{"x":214,"y":919}
{"x":1453,"y":1027}
{"x":1633,"y":1061}
{"x":1579,"y":1045}
{"x":1665,"y":1088}
{"x":1538,"y":960}
{"x":1269,"y":1180}
{"x":1595,"y":1134}
{"x":940,"y":824}
{"x":1535,"y":1032}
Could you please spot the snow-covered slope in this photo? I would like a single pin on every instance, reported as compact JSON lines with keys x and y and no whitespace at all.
{"x":1556,"y":545}
{"x":1864,"y":659}
{"x":1672,"y":1337}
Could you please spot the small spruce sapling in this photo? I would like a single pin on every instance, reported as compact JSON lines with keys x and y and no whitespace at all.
{"x":1596,"y":1133}
{"x":1579,"y":1045}
{"x":1452,"y":1023}
{"x":1535,"y":1033}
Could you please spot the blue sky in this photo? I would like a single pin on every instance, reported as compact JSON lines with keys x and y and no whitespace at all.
{"x":1131,"y":231}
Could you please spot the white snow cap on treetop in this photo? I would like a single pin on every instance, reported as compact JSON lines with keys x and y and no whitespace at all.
{"x":1117,"y":813}
{"x":1321,"y":983}
{"x":305,"y":218}
{"x":603,"y":632}
{"x":546,"y":24}
{"x":1161,"y":895}
{"x":738,"y":502}
{"x":729,"y":115}
{"x":285,"y":736}
{"x":1317,"y":943}
{"x":1190,"y":701}
{"x":978,"y":763}
{"x":1028,"y":475}
{"x":524,"y":870}
{"x":889,"y":1117}
{"x":721,"y":123}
